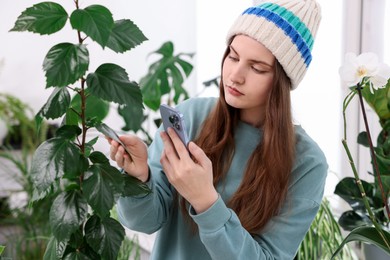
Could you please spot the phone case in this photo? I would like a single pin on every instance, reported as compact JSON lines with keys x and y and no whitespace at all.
{"x":174,"y":119}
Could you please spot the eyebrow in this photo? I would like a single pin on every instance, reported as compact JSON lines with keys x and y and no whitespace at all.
{"x":251,"y":60}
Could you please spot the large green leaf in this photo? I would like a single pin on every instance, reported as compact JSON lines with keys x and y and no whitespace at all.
{"x":57,"y":104}
{"x":95,"y":21}
{"x":94,"y":107}
{"x":348,"y":190}
{"x":65,"y":63}
{"x":111,"y":83}
{"x":133,"y":117}
{"x":133,"y":186}
{"x":42,"y":18}
{"x":104,"y":236}
{"x":166,"y":75}
{"x":350,"y":220}
{"x":51,"y":160}
{"x":378,"y":100}
{"x":102,"y":186}
{"x":366,"y":235}
{"x":68,"y":212}
{"x":54,"y":249}
{"x":124,"y":36}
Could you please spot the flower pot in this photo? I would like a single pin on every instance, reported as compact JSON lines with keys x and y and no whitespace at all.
{"x":372,"y":252}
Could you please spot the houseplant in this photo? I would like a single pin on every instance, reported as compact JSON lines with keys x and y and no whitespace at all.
{"x":323,"y":237}
{"x":368,"y":219}
{"x":87,"y":185}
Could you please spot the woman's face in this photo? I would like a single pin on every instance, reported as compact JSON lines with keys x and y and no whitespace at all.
{"x":247,"y":75}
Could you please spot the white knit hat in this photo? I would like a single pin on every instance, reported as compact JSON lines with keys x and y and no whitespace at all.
{"x":287,"y":28}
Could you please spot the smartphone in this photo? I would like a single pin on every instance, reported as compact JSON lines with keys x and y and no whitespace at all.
{"x":108,"y":131}
{"x":174,"y":119}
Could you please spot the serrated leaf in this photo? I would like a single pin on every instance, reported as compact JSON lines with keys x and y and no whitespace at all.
{"x":50,"y":161}
{"x":124,"y":36}
{"x":67,"y":213}
{"x":57,"y":103}
{"x":134,"y":187}
{"x":54,"y":249}
{"x":65,"y":63}
{"x":95,"y":21}
{"x":104,"y":236}
{"x":102,"y":186}
{"x":133,"y":117}
{"x":111,"y":83}
{"x":42,"y":18}
{"x":94,"y":107}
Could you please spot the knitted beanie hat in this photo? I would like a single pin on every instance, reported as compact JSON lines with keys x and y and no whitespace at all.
{"x":287,"y":28}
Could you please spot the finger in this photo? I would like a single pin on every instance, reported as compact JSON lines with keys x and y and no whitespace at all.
{"x":178,"y":144}
{"x":198,"y":154}
{"x":113,"y":149}
{"x":170,"y":151}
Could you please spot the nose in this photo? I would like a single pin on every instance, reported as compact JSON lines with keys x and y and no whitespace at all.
{"x":237,"y":74}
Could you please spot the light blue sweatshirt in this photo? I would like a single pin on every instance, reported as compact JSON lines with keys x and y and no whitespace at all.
{"x":221,"y":235}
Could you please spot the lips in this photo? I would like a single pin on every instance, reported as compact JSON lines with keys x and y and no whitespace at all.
{"x":234,"y":92}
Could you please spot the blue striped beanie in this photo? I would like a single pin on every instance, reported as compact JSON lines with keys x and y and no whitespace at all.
{"x":287,"y":28}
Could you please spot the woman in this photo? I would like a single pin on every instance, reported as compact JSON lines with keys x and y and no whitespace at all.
{"x":251,"y":182}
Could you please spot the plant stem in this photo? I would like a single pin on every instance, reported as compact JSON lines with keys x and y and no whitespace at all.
{"x":363,"y":193}
{"x":373,"y":156}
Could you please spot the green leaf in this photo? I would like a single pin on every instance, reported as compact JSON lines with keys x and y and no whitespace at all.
{"x":133,"y":117}
{"x":102,"y":186}
{"x":348,"y":189}
{"x":42,"y":18}
{"x":124,"y":36}
{"x":165,"y":76}
{"x":378,"y":101}
{"x":65,"y":63}
{"x":95,"y":21}
{"x":54,"y":249}
{"x":133,"y":186}
{"x":51,"y":160}
{"x":111,"y":83}
{"x":166,"y":49}
{"x":104,"y":236}
{"x":94,"y":107}
{"x":366,"y":235}
{"x":363,"y":139}
{"x":57,"y":104}
{"x":350,"y":220}
{"x":67,"y":213}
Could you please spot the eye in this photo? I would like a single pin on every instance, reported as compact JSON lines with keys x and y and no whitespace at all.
{"x":233,"y":58}
{"x":257,"y":70}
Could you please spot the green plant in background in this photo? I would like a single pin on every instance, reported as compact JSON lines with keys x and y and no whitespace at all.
{"x":162,"y":83}
{"x":25,"y":227}
{"x":368,"y":219}
{"x":323,"y":237}
{"x":67,"y":164}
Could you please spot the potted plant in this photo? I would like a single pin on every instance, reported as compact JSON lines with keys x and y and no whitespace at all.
{"x":368,"y":218}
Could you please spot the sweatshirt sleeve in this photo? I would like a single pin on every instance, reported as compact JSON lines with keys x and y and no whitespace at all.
{"x":148,"y":213}
{"x":224,"y":237}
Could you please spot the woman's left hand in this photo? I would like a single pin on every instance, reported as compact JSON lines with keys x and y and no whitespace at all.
{"x":191,"y":177}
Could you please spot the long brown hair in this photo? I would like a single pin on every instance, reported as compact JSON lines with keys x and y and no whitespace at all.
{"x":264,"y":185}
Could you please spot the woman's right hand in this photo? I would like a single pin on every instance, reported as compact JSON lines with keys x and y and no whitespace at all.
{"x":134,"y":164}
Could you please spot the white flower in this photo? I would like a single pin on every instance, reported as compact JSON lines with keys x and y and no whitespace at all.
{"x":364,"y":66}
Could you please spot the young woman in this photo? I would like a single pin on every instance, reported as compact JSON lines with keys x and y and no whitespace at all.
{"x":250,"y":182}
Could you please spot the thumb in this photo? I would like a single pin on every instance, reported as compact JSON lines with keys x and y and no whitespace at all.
{"x":198,"y":155}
